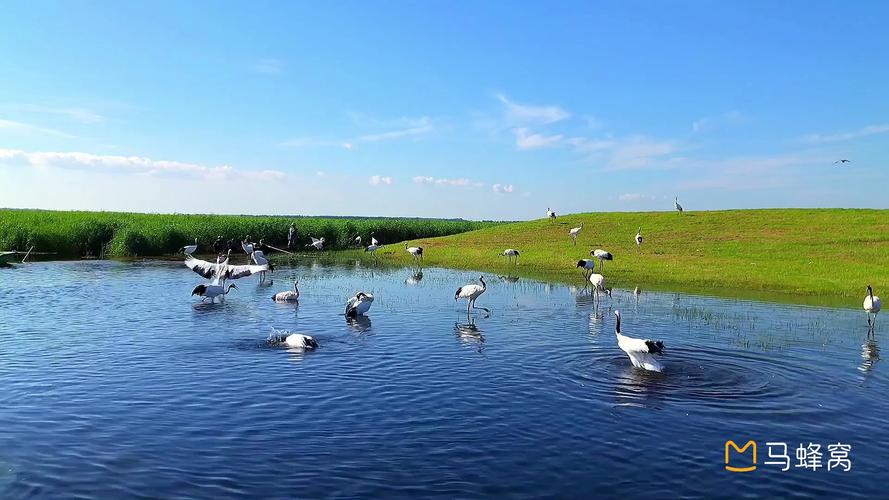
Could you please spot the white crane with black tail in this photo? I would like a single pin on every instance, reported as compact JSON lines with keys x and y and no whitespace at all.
{"x":472,"y":292}
{"x":641,"y":352}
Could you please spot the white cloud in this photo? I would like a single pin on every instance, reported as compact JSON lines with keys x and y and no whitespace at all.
{"x":32,"y":129}
{"x":131,"y":164}
{"x":525,"y":113}
{"x":845,"y":136}
{"x":462,"y":182}
{"x":377,"y":180}
{"x":502,"y":188}
{"x":525,"y":140}
{"x":269,"y":66}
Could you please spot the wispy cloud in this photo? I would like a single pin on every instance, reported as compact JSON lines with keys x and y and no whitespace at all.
{"x":847,"y":135}
{"x":32,"y":129}
{"x":524,"y":140}
{"x":412,"y":128}
{"x":401,"y":128}
{"x":503,"y":188}
{"x":635,"y":197}
{"x":131,"y":164}
{"x":527,"y":113}
{"x":269,"y":66}
{"x":462,"y":182}
{"x":77,"y":114}
{"x":713,"y":122}
{"x":376,"y":180}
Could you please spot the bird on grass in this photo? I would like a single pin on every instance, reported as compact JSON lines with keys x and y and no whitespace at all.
{"x":288,"y":295}
{"x":373,"y":241}
{"x":588,"y":266}
{"x":574,"y":232}
{"x":358,"y":305}
{"x":511,"y":253}
{"x":472,"y":292}
{"x":189,"y":249}
{"x":639,"y":238}
{"x":641,"y":352}
{"x":602,"y":255}
{"x":357,"y":241}
{"x":372,"y":249}
{"x":677,"y":205}
{"x":417,"y":252}
{"x":872,"y":304}
{"x":550,"y":214}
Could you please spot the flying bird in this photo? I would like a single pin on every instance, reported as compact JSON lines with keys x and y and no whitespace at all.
{"x":472,"y":292}
{"x":511,"y":253}
{"x":641,"y":352}
{"x":842,"y":161}
{"x":574,"y":231}
{"x":872,"y":304}
{"x":190,"y":249}
{"x":317,"y":243}
{"x":602,"y":255}
{"x":221,"y":269}
{"x":359,"y":304}
{"x":288,"y":295}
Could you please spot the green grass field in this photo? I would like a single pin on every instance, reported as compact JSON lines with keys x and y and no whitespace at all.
{"x":798,"y":255}
{"x":78,"y":234}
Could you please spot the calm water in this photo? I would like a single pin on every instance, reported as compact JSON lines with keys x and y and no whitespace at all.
{"x":116,"y":383}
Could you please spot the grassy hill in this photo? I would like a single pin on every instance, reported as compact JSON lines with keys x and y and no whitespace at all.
{"x":798,"y":253}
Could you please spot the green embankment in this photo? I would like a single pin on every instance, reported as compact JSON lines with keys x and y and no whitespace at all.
{"x":797,"y":253}
{"x":116,"y":234}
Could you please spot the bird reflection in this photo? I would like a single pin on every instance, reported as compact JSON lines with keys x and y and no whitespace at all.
{"x":470,"y":334}
{"x":414,"y":278}
{"x":510,"y":279}
{"x":634,"y":387}
{"x":870,"y":355}
{"x":360,"y":324}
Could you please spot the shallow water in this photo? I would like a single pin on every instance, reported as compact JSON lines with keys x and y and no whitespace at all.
{"x":116,"y":383}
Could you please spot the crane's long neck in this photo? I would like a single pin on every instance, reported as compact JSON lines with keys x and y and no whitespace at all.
{"x":229,"y":288}
{"x":617,"y":325}
{"x":870,"y":291}
{"x":484,"y":285}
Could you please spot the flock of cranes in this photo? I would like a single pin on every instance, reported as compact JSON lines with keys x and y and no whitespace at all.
{"x":641,"y":352}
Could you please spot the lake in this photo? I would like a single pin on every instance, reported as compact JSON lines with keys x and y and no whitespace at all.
{"x":117,"y":383}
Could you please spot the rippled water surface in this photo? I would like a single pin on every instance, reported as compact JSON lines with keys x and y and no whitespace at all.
{"x":114,"y":382}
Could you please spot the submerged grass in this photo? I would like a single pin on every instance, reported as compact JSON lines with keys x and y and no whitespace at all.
{"x":798,"y":255}
{"x":117,"y":234}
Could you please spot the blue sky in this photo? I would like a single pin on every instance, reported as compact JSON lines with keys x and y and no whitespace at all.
{"x":444,"y":109}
